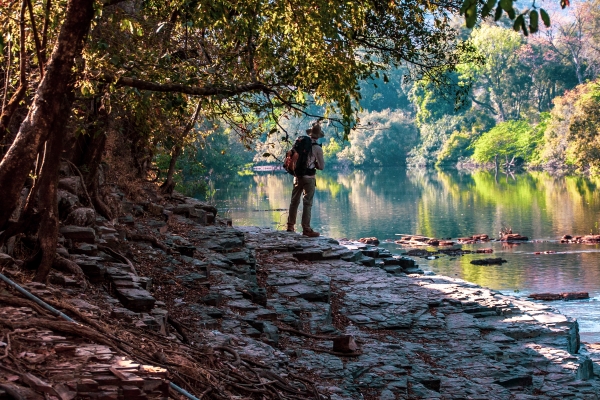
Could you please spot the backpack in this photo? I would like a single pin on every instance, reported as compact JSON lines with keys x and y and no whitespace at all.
{"x":296,"y":159}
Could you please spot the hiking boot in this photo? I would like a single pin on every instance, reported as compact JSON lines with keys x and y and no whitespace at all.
{"x":290,"y":228}
{"x":310,"y":233}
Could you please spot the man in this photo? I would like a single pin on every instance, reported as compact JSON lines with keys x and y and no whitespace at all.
{"x":305,"y":185}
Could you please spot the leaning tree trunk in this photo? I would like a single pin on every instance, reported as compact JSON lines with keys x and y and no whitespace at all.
{"x":35,"y":129}
{"x":169,"y":185}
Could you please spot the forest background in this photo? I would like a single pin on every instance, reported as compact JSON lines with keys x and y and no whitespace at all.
{"x":534,"y":102}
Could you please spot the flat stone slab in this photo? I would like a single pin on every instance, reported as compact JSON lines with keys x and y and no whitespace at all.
{"x":138,"y":300}
{"x":78,"y":233}
{"x":310,"y":293}
{"x":193,"y":279}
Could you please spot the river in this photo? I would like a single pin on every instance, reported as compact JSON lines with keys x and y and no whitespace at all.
{"x":449,"y":204}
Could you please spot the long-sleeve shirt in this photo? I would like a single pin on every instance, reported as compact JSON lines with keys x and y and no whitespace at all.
{"x":315,"y":159}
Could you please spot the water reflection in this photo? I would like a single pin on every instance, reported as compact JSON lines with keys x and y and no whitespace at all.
{"x":444,"y":204}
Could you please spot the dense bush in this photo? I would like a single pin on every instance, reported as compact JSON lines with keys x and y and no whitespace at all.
{"x":507,"y":140}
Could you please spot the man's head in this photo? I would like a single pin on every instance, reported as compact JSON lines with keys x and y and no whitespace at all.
{"x":315,"y":131}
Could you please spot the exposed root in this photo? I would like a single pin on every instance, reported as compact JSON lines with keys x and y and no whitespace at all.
{"x":87,"y":195}
{"x":118,"y":256}
{"x":136,"y":237}
{"x":62,"y":264}
{"x":21,"y":302}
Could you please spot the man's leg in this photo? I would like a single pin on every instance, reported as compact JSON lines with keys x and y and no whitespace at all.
{"x":309,"y":185}
{"x":294,"y":203}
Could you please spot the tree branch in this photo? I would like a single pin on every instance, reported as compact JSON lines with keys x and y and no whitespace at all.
{"x":16,"y":98}
{"x":224,"y":91}
{"x":38,"y":46}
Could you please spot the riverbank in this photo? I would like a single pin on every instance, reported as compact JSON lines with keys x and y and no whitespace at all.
{"x":227,"y":311}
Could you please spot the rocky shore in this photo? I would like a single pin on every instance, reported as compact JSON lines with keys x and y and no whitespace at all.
{"x":173,"y":294}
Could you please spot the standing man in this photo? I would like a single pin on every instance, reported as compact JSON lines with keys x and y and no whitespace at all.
{"x":305,"y":185}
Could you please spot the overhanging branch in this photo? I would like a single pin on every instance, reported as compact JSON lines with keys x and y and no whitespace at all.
{"x":223,"y":91}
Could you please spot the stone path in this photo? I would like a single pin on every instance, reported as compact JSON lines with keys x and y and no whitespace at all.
{"x":420,"y":336}
{"x":282,"y":299}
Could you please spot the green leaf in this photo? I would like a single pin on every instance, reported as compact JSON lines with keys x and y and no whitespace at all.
{"x":545,"y":17}
{"x":498,"y":13}
{"x":487,"y":8}
{"x":1,"y":45}
{"x":534,"y":19}
{"x":467,"y":4}
{"x":506,"y":5}
{"x":471,"y":16}
{"x":518,"y":22}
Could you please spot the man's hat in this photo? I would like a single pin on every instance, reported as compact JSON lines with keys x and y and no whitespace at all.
{"x":315,"y":131}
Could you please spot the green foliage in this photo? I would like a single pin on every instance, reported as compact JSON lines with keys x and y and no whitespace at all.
{"x":507,"y":140}
{"x":330,"y":151}
{"x":570,"y":138}
{"x":385,"y":139}
{"x":222,"y":154}
{"x":471,"y":14}
{"x":454,"y":148}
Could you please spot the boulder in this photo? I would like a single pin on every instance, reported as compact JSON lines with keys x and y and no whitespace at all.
{"x":344,"y":344}
{"x":155,"y":209}
{"x":369,"y":240}
{"x":81,"y":217}
{"x":513,"y":237}
{"x":489,"y":261}
{"x":66,"y":202}
{"x":5,"y":260}
{"x":71,"y":184}
{"x":559,"y":296}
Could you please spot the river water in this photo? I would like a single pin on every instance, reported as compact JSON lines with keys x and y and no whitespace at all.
{"x":388,"y":202}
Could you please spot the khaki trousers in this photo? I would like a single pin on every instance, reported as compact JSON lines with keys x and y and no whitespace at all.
{"x":306,"y":186}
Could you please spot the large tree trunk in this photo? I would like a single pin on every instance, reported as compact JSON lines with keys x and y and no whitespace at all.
{"x":48,"y":206}
{"x":45,"y":110}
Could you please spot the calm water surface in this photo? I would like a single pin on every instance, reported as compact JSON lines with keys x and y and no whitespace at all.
{"x":388,"y":202}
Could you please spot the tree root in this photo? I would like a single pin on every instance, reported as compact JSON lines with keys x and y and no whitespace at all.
{"x":87,"y":195}
{"x":136,"y":237}
{"x":179,"y":328}
{"x":61,"y":326}
{"x":19,"y":392}
{"x":118,"y":256}
{"x":230,"y":351}
{"x":21,"y":302}
{"x":101,"y":207}
{"x":62,"y":264}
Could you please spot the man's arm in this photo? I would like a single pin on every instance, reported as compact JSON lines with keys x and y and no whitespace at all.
{"x":318,"y":152}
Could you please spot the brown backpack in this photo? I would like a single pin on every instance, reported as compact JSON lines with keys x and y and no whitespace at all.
{"x":296,"y":159}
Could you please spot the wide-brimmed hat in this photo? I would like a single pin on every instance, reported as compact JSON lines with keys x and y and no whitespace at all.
{"x":315,"y":131}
